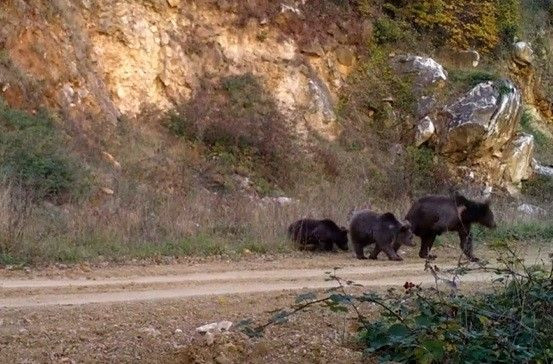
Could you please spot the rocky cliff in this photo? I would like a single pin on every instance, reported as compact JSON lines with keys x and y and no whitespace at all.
{"x":100,"y":61}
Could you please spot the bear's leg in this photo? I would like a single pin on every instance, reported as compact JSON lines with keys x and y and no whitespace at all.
{"x":327,"y":245}
{"x":375,"y":252}
{"x":309,"y":247}
{"x":466,"y":244}
{"x":390,"y":252}
{"x":426,"y":244}
{"x":358,"y":247}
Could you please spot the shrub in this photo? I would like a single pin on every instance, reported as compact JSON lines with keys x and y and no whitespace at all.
{"x":239,"y":123}
{"x":509,"y":20}
{"x":544,"y":142}
{"x":425,"y":170}
{"x":463,"y":24}
{"x":387,"y":30}
{"x":539,"y":188}
{"x":509,"y":323}
{"x":364,"y":111}
{"x":32,"y":155}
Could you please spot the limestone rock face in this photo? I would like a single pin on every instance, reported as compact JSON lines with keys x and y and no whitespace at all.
{"x":480,"y":122}
{"x":161,"y":58}
{"x":518,"y":158}
{"x":479,"y":131}
{"x":128,"y":58}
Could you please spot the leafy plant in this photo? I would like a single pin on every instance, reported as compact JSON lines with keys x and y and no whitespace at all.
{"x":544,"y":142}
{"x":387,"y":30}
{"x":511,"y":322}
{"x":32,"y":155}
{"x":425,"y":170}
{"x":463,"y":24}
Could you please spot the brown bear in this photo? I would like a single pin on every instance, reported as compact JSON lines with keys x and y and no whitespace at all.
{"x":384,"y":231}
{"x":321,"y":235}
{"x":434,"y":215}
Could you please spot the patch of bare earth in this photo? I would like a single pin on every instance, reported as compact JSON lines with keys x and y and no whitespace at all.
{"x":165,"y":332}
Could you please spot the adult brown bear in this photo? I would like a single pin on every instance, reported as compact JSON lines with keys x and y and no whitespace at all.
{"x":434,"y":215}
{"x":322,"y":235}
{"x":384,"y":231}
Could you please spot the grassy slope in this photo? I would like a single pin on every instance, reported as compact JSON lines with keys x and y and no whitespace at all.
{"x":179,"y":191}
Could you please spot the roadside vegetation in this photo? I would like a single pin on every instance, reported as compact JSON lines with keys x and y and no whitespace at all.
{"x":507,"y":321}
{"x":203,"y":178}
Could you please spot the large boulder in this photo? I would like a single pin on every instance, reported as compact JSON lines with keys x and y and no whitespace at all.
{"x":523,"y":53}
{"x":426,"y":71}
{"x":481,"y":122}
{"x":541,"y":170}
{"x":531,"y":210}
{"x":424,"y":131}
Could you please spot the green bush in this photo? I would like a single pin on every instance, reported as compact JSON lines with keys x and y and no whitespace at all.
{"x":425,"y":170}
{"x":387,"y":30}
{"x":544,"y":142}
{"x":512,"y":324}
{"x":33,"y":156}
{"x":509,"y":20}
{"x":540,"y":188}
{"x":509,"y":323}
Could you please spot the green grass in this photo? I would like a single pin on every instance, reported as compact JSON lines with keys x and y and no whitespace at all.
{"x":466,"y":79}
{"x":531,"y":231}
{"x":109,"y":248}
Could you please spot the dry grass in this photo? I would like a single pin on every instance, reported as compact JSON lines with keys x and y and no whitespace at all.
{"x":140,"y":223}
{"x":179,"y":191}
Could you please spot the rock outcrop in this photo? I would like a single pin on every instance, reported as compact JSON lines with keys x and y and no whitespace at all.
{"x":479,"y":131}
{"x":523,"y":53}
{"x":128,"y":57}
{"x":531,"y":210}
{"x":427,"y":74}
{"x":426,"y":70}
{"x":480,"y":122}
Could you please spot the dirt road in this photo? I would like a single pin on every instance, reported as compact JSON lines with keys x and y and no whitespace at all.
{"x":209,"y":280}
{"x":148,"y":313}
{"x":32,"y":292}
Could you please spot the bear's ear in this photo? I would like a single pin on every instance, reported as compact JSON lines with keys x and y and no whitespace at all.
{"x":388,"y":218}
{"x":460,"y":199}
{"x":406,"y":226}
